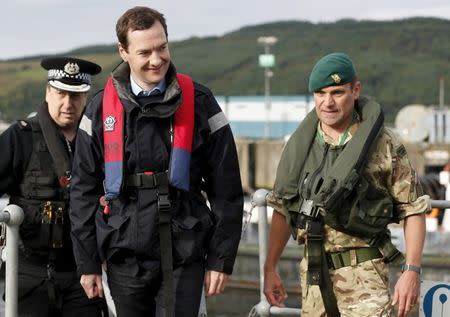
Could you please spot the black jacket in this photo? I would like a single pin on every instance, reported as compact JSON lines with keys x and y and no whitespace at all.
{"x":132,"y":226}
{"x":28,"y":175}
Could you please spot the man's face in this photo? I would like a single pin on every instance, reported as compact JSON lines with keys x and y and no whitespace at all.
{"x":65,"y":107}
{"x":148,"y":55}
{"x":334,"y":105}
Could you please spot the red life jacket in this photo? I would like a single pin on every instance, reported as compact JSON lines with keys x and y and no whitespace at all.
{"x":113,"y":138}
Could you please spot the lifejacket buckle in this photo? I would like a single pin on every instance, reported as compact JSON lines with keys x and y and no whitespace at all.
{"x":374,"y":241}
{"x":50,"y":271}
{"x":378,"y":239}
{"x":164,"y":203}
{"x":392,"y":256}
{"x":309,"y":208}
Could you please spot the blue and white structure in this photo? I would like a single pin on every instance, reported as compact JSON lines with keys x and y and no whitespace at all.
{"x":248,"y":115}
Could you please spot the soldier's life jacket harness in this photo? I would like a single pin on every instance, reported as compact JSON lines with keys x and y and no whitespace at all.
{"x":338,"y":199}
{"x":177,"y":176}
{"x":44,"y":195}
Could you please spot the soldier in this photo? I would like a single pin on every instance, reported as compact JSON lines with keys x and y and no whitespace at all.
{"x":35,"y":171}
{"x":342,"y":178}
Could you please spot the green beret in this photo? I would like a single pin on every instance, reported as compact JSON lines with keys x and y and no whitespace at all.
{"x":331,"y":70}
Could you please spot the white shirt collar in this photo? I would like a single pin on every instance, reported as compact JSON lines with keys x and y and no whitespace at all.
{"x":136,"y":89}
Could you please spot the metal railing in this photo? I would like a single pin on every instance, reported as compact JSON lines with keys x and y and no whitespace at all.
{"x":263,"y":308}
{"x":441,"y":204}
{"x":12,"y":216}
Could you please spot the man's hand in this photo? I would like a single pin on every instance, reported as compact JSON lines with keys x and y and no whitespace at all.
{"x":279,"y":236}
{"x":274,"y":289}
{"x":215,"y":282}
{"x":407,"y":287}
{"x":92,"y":285}
{"x":406,"y":292}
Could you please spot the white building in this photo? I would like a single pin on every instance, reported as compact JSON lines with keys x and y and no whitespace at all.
{"x":252,"y":117}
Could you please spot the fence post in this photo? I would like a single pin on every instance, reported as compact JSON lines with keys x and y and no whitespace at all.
{"x":259,"y":199}
{"x":12,"y":253}
{"x":263,"y":308}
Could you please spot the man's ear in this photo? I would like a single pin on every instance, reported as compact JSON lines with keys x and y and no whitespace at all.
{"x":356,"y":89}
{"x":123,"y":52}
{"x":47,"y":91}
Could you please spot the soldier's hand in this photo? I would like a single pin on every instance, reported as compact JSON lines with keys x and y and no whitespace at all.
{"x":406,"y":292}
{"x":215,"y":282}
{"x":274,"y":289}
{"x":92,"y":285}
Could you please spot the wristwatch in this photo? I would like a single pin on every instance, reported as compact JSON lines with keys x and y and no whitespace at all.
{"x":409,"y":267}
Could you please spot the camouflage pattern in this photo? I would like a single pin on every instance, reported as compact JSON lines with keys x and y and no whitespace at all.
{"x":362,"y":289}
{"x":388,"y":168}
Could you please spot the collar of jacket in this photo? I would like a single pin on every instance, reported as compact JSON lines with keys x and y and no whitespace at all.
{"x":163,"y":108}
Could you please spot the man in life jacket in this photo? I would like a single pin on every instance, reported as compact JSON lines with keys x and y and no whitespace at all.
{"x":35,"y":171}
{"x":151,"y":146}
{"x":342,"y":178}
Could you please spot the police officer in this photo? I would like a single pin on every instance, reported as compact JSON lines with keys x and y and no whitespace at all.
{"x":148,"y":145}
{"x":342,"y":178}
{"x":35,"y":171}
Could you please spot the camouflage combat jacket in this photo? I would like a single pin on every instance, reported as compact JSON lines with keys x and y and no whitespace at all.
{"x":388,"y":168}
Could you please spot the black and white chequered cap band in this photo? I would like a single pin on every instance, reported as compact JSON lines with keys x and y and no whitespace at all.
{"x":58,"y":74}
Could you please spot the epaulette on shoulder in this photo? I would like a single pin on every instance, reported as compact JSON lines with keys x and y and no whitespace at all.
{"x":24,"y":125}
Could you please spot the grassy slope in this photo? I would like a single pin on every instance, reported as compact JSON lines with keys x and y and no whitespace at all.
{"x":399,"y":62}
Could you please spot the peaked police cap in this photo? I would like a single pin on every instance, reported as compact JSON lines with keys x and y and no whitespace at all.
{"x":69,"y":73}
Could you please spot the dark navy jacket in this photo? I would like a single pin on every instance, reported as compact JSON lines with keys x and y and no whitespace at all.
{"x":131,"y":229}
{"x":21,"y":166}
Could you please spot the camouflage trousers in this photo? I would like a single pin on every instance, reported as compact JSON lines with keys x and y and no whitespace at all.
{"x":361,"y":290}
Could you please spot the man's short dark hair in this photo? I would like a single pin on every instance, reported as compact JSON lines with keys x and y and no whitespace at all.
{"x":353,"y":82}
{"x":137,"y":18}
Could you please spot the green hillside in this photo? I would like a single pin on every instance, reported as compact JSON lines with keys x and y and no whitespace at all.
{"x":400,"y":62}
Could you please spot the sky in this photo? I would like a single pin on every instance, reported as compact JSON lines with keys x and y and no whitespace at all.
{"x":31,"y":27}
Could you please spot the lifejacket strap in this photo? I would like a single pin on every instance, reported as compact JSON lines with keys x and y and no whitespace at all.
{"x":389,"y":251}
{"x":314,"y":251}
{"x":318,"y":272}
{"x":142,"y":180}
{"x":165,"y":241}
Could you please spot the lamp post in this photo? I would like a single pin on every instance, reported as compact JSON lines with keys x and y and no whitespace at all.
{"x":267,"y":60}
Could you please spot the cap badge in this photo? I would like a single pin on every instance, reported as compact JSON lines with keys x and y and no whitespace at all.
{"x":110,"y":121}
{"x":336,"y":78}
{"x":72,"y":68}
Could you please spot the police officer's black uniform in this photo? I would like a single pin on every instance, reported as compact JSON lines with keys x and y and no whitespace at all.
{"x":127,"y":238}
{"x":35,"y":172}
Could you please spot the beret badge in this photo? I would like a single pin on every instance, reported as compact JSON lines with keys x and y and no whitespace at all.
{"x":336,"y":78}
{"x":72,"y":68}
